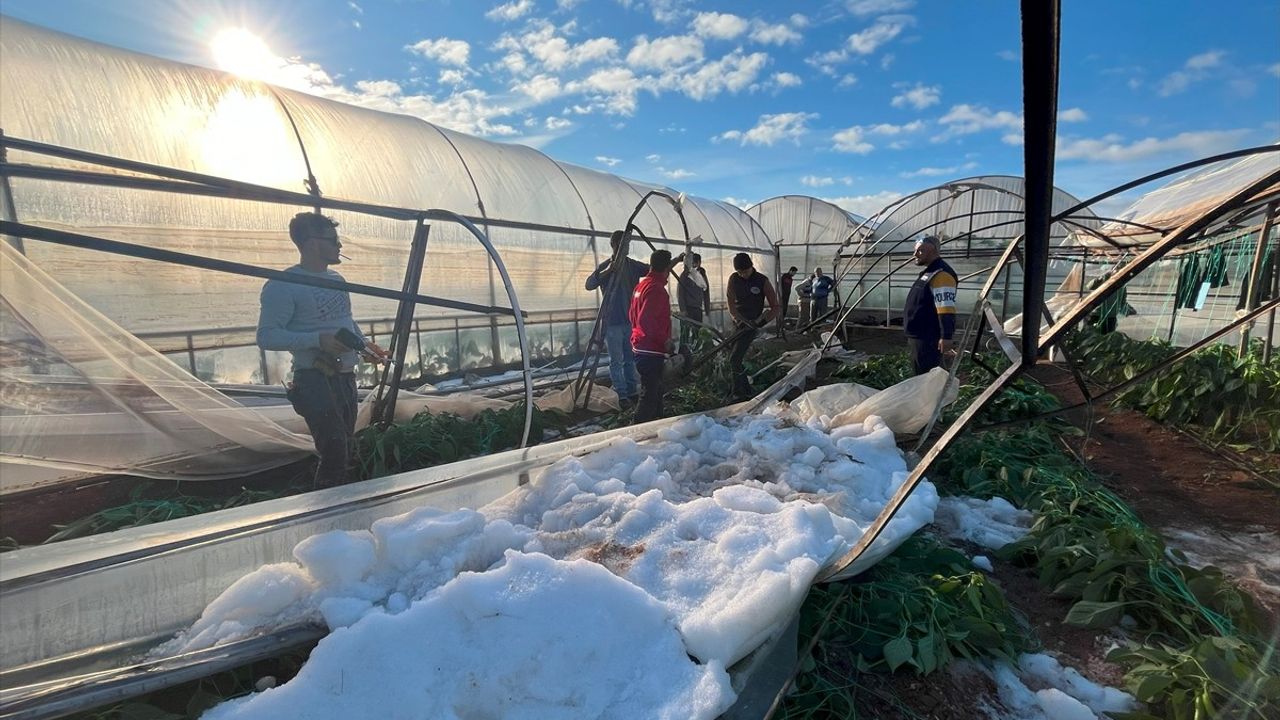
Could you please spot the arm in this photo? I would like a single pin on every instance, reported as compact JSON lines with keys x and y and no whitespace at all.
{"x":276,"y":310}
{"x":733,"y":302}
{"x":771,"y":297}
{"x":706,"y":292}
{"x":602,"y":272}
{"x":943,"y":287}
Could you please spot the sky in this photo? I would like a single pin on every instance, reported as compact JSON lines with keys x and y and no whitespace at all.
{"x":853,"y":101}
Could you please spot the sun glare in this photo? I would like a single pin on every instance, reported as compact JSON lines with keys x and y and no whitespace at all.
{"x":239,"y":51}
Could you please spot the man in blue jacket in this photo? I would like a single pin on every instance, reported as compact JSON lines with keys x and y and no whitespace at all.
{"x":306,"y":320}
{"x":617,"y":278}
{"x":929,"y":317}
{"x":822,"y":286}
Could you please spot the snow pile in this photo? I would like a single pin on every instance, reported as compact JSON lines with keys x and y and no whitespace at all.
{"x":721,"y":524}
{"x":990,"y":523}
{"x":1040,"y":688}
{"x":462,"y":651}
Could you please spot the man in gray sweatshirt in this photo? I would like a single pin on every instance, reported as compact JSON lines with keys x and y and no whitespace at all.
{"x":305,"y":320}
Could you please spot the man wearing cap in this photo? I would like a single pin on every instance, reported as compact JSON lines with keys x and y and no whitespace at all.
{"x":747,"y":293}
{"x":650,"y":317}
{"x":308,"y":322}
{"x":929,"y":317}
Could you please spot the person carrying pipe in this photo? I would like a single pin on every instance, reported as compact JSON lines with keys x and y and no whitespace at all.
{"x":929,"y":317}
{"x":618,"y":277}
{"x":315,"y":325}
{"x":693,"y":295}
{"x":650,"y":317}
{"x":747,"y":293}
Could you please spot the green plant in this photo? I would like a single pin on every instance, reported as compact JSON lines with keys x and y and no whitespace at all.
{"x":141,"y":510}
{"x":1218,"y":677}
{"x":429,"y":439}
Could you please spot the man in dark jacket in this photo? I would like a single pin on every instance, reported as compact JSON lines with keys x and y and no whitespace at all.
{"x":617,"y":277}
{"x":822,"y":287}
{"x":747,"y":293}
{"x":650,"y":317}
{"x":693,"y":294}
{"x":929,"y":317}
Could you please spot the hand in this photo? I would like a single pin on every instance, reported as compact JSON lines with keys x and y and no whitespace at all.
{"x":678,"y":259}
{"x":947,"y":348}
{"x":330,"y":344}
{"x":373,"y":353}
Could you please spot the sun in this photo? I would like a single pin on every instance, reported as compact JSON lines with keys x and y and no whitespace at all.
{"x":239,"y":51}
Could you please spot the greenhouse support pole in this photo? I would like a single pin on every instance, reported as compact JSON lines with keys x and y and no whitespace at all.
{"x":1040,"y":109}
{"x":385,"y":411}
{"x":9,"y":210}
{"x":1255,"y":273}
{"x":1271,"y":319}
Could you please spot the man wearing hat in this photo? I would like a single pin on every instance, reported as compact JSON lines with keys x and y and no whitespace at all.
{"x":747,"y":293}
{"x":929,"y":317}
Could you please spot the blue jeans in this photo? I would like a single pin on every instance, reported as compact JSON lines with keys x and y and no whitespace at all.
{"x":622,"y":360}
{"x":328,"y":404}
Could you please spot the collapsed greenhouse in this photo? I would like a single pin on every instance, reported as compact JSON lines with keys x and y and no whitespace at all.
{"x":145,"y":202}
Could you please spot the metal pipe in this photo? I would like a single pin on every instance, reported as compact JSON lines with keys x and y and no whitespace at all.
{"x":1255,"y":273}
{"x":384,"y":412}
{"x":116,"y":247}
{"x":1040,"y":37}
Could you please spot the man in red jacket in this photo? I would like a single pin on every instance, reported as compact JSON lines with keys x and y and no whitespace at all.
{"x":650,"y":316}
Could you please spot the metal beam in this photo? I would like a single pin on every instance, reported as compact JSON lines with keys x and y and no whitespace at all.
{"x":1255,"y":273}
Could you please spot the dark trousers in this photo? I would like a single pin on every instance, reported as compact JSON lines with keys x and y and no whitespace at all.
{"x":688,"y":331}
{"x":782,"y":312}
{"x":819,"y":307}
{"x":741,"y":386}
{"x":650,"y":405}
{"x":925,"y":354}
{"x":328,"y":404}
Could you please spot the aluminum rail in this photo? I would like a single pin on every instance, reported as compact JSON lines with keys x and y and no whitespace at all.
{"x":115,"y":596}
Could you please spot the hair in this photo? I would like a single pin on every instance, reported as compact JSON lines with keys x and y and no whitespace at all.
{"x":616,"y":237}
{"x":306,"y":225}
{"x":695,"y":257}
{"x":794,"y":269}
{"x":660,"y":261}
{"x":742,"y":261}
{"x":930,"y":240}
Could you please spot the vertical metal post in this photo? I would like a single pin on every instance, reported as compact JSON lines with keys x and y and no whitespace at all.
{"x":1040,"y":25}
{"x":385,"y":411}
{"x":8,"y":208}
{"x":1255,"y":274}
{"x":1271,"y":319}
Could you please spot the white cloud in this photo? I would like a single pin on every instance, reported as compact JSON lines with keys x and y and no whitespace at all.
{"x":443,"y":51}
{"x":543,"y":42}
{"x":966,"y":119}
{"x":866,"y":205}
{"x":873,"y":38}
{"x":864,"y":8}
{"x":919,"y":97}
{"x":1009,"y":55}
{"x":771,"y":129}
{"x":890,"y":129}
{"x":847,"y":80}
{"x":798,"y":20}
{"x":719,"y":26}
{"x":510,"y":11}
{"x":1274,"y":70}
{"x":451,"y":77}
{"x":786,"y":80}
{"x":672,"y":128}
{"x":612,"y":90}
{"x":666,"y":11}
{"x":1113,"y":148}
{"x":886,"y":61}
{"x":939,"y":171}
{"x":665,"y":52}
{"x":358,"y":10}
{"x":732,"y":73}
{"x":767,"y":34}
{"x":653,"y":157}
{"x":1195,"y":69}
{"x":1071,"y":115}
{"x":677,"y":174}
{"x":607,"y":161}
{"x":815,"y":181}
{"x":540,"y":88}
{"x":356,"y":24}
{"x":554,"y":123}
{"x":568,"y":4}
{"x":852,"y":140}
{"x":737,"y":202}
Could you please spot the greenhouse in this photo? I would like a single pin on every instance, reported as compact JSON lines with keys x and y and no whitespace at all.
{"x":158,"y":534}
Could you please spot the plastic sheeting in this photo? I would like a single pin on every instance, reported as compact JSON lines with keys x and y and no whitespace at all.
{"x":76,"y":94}
{"x":809,"y":231}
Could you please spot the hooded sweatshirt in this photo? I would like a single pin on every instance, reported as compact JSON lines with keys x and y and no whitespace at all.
{"x":650,"y":315}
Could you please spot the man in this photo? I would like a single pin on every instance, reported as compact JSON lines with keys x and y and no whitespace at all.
{"x":650,"y":317}
{"x":929,"y":318}
{"x":618,"y":277}
{"x":747,"y":293}
{"x":805,"y":292}
{"x":784,"y":288}
{"x":307,"y":321}
{"x":693,"y":294}
{"x":822,"y":285}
